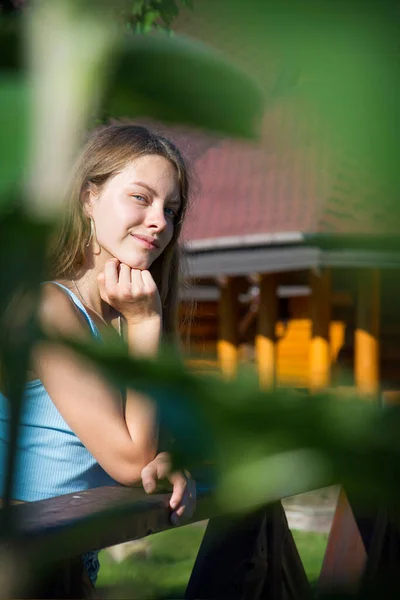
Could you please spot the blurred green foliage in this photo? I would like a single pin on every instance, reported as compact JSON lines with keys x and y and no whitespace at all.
{"x":334,"y":63}
{"x":266,"y":445}
{"x":342,"y":59}
{"x":199,"y":87}
{"x":14,"y":132}
{"x":145,"y":15}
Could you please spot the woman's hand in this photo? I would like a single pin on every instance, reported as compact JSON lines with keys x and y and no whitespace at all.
{"x":183,"y":499}
{"x":132,"y":292}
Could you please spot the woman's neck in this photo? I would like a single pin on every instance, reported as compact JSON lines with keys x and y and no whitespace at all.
{"x":86,"y":287}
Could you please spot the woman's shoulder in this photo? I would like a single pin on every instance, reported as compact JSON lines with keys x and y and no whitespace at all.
{"x":57,"y":311}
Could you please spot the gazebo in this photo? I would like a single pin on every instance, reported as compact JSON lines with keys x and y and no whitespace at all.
{"x":291,"y":266}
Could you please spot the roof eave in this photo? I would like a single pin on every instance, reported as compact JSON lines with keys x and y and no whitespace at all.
{"x":263,"y":259}
{"x":244,"y":241}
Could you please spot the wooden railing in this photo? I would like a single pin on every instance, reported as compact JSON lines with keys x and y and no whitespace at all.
{"x":241,"y":556}
{"x":245,"y":556}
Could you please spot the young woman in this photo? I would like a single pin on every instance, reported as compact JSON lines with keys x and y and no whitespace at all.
{"x":115,"y":266}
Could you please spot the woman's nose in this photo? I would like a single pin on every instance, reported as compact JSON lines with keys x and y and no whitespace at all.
{"x":156,"y":218}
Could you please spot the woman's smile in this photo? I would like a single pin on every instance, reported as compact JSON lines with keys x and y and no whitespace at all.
{"x":146,"y":241}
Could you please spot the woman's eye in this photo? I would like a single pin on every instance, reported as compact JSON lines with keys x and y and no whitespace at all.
{"x":170,"y":212}
{"x":139,"y":197}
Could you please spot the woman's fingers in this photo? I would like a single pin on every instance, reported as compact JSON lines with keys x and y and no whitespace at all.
{"x":132,"y":292}
{"x":186,"y":506}
{"x":185,"y":510}
{"x":108,"y":279}
{"x":148,"y":282}
{"x":136,"y":282}
{"x":124,"y":281}
{"x":179,"y":482}
{"x":158,"y":469}
{"x":183,"y":498}
{"x":111,"y":277}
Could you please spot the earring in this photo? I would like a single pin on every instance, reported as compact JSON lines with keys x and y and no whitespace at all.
{"x":91,"y":232}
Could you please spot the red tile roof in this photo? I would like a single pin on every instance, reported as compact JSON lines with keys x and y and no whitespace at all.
{"x":250,"y":189}
{"x":245,"y":190}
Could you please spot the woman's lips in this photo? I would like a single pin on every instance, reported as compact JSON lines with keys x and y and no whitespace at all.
{"x":146,"y":243}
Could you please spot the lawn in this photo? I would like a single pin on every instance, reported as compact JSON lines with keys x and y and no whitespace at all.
{"x":164,"y":573}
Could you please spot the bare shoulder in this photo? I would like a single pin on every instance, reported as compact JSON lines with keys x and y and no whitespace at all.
{"x":58,"y":313}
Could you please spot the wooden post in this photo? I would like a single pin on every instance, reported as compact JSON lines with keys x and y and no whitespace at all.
{"x":265,"y":338}
{"x":228,"y":320}
{"x":366,"y":338}
{"x":320,"y":353}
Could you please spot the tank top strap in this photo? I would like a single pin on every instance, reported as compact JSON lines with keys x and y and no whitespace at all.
{"x":80,"y":306}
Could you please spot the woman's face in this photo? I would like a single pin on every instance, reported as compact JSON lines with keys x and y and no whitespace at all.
{"x":135,"y":212}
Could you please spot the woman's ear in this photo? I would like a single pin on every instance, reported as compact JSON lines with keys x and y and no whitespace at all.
{"x":87,"y":199}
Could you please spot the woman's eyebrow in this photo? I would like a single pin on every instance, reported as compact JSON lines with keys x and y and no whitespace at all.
{"x":173,"y":200}
{"x":145,"y":185}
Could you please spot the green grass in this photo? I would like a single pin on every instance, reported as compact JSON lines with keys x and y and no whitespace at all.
{"x":311,"y":547}
{"x":165,"y":573}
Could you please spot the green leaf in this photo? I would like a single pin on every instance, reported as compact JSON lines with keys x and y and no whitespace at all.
{"x":10,"y":43}
{"x":137,"y":7}
{"x":178,"y":80}
{"x":265,"y":445}
{"x":22,"y":251}
{"x":267,"y":479}
{"x":177,"y":393}
{"x":149,"y":19}
{"x":345,"y":55}
{"x":14,"y":132}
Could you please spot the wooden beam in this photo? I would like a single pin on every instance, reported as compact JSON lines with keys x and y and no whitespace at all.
{"x":252,"y":555}
{"x":266,"y":334}
{"x":320,"y":352}
{"x":228,"y":319}
{"x":366,"y":337}
{"x":345,"y":555}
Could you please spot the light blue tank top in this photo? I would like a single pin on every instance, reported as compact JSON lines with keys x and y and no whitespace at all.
{"x":51,"y":460}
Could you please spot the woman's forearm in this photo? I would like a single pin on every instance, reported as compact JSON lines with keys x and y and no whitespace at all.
{"x":142,"y":423}
{"x":140,"y":410}
{"x":144,"y":338}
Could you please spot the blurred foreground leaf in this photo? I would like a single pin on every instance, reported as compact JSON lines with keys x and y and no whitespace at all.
{"x":336,"y":67}
{"x":266,"y":445}
{"x":14,"y":132}
{"x":22,"y":251}
{"x":10,"y":43}
{"x":176,"y":79}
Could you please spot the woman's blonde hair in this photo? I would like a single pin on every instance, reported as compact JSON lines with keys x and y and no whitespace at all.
{"x":107,"y":151}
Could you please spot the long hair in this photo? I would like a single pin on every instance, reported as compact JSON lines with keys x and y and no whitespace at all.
{"x":109,"y":149}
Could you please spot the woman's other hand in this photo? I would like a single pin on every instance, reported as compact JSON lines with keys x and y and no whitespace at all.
{"x":183,"y":498}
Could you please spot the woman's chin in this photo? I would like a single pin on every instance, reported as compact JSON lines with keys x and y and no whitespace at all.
{"x":135,"y":260}
{"x":138,"y":263}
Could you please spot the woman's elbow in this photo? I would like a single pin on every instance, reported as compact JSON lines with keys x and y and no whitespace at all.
{"x":129,"y":473}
